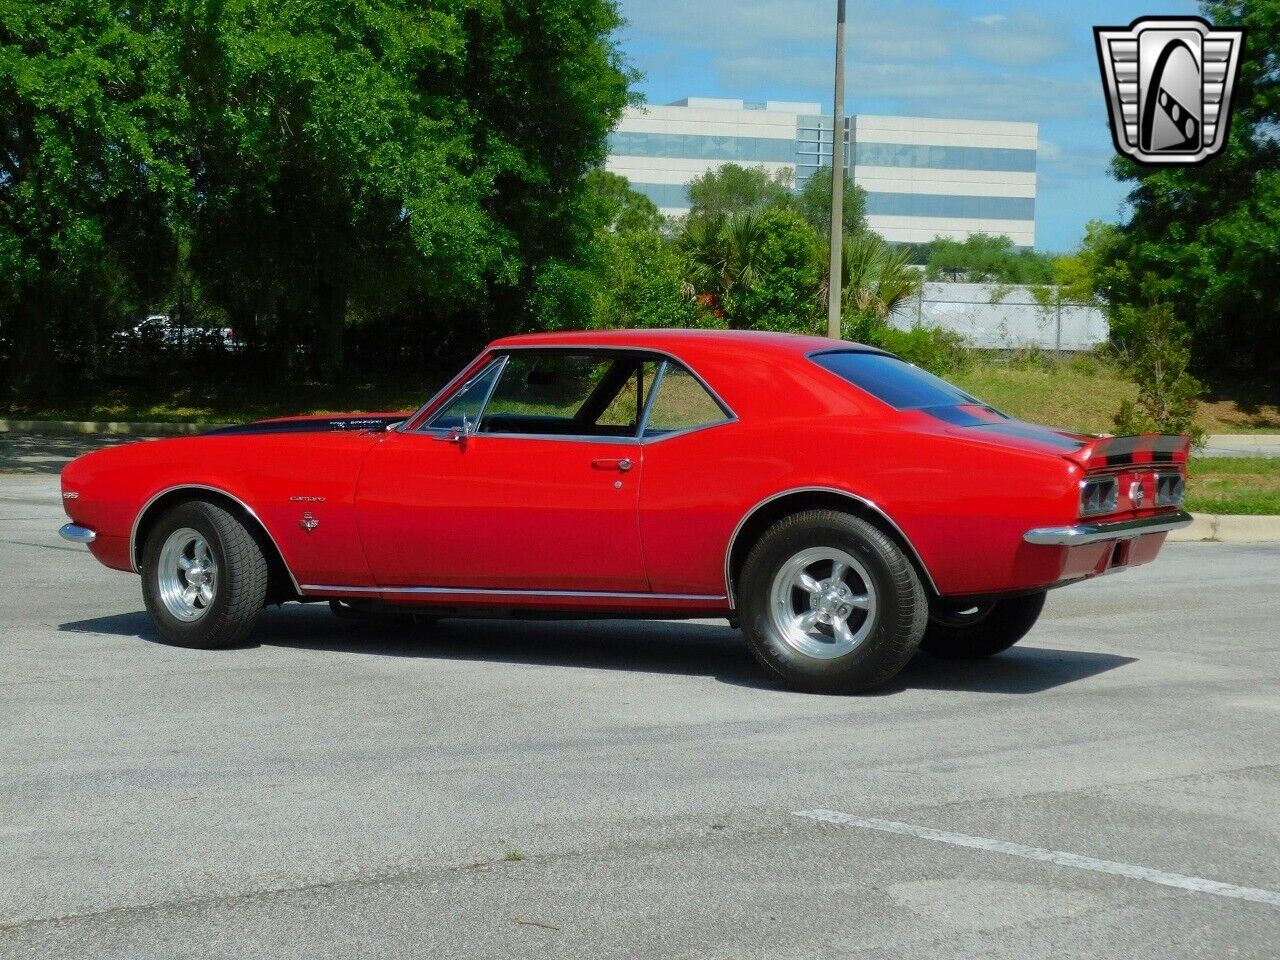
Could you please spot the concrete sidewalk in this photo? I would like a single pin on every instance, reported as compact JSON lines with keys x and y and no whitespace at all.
{"x":1242,"y":445}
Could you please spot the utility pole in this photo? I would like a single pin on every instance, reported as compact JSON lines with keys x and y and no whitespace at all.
{"x":835,"y":287}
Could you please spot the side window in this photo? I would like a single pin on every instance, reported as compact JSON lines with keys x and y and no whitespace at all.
{"x":562,"y":393}
{"x":625,"y":408}
{"x":682,"y":403}
{"x":467,"y":402}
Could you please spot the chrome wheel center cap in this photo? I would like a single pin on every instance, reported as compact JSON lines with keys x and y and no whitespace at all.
{"x":832,"y":600}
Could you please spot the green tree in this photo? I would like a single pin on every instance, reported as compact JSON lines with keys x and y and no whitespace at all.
{"x":614,"y":207}
{"x":723,"y":252}
{"x":355,"y":154}
{"x":781,"y":289}
{"x":732,"y":189}
{"x":1210,"y":234}
{"x":1156,"y":355}
{"x":642,"y":284}
{"x":91,"y":170}
{"x":814,"y":203}
{"x":983,"y":258}
{"x":877,"y":279}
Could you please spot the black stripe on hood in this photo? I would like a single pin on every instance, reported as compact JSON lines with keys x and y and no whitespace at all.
{"x":320,"y":425}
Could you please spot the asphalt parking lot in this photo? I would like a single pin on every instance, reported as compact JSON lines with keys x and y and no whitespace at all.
{"x":1108,"y":788}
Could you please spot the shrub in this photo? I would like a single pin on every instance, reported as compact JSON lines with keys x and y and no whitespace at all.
{"x":937,"y":350}
{"x":1156,"y":353}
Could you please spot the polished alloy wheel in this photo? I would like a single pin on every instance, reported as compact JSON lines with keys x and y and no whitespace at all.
{"x":187,"y":575}
{"x":823,"y":602}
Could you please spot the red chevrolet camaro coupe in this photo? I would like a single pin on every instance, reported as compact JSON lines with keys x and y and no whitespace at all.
{"x":842,"y":505}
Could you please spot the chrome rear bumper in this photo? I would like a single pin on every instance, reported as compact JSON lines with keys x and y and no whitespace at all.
{"x":1095,"y":532}
{"x":76,"y":533}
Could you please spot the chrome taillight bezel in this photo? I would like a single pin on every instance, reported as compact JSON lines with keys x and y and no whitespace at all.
{"x":1099,"y":495}
{"x":1171,"y":489}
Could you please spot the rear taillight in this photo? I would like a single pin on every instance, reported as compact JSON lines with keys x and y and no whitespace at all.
{"x":1099,"y":496}
{"x":1170,"y":489}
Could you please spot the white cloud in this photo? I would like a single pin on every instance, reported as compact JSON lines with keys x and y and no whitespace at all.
{"x":1057,"y":165}
{"x":876,"y":28}
{"x":918,"y":56}
{"x":923,"y":89}
{"x":1020,"y":40}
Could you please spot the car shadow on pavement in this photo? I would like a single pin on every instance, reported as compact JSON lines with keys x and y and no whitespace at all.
{"x":1021,"y":669}
{"x":646,"y":646}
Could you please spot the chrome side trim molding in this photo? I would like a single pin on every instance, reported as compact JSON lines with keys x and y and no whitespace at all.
{"x":869,"y":504}
{"x":76,"y":533}
{"x":1097,"y":532}
{"x":137,"y":521}
{"x":484,"y":592}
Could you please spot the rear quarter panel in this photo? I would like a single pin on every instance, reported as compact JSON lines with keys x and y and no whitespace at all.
{"x":963,"y":506}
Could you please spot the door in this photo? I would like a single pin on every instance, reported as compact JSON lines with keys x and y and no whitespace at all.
{"x":527,"y":479}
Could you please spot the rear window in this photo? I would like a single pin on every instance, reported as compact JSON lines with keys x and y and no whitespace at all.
{"x":894,"y":381}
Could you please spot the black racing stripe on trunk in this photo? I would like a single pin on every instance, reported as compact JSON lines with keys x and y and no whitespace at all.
{"x":325,"y":425}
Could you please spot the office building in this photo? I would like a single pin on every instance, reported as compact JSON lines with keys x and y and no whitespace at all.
{"x":924,"y":177}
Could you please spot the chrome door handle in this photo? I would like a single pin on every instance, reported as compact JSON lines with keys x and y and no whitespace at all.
{"x":613,"y":464}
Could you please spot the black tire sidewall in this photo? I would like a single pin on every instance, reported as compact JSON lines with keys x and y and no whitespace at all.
{"x":899,"y":614}
{"x":1009,"y":621}
{"x":219,"y":626}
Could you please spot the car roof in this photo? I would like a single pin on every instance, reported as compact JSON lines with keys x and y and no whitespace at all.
{"x":690,"y":344}
{"x":758,"y":374}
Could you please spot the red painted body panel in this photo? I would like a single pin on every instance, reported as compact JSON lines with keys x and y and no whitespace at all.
{"x":502,"y":512}
{"x":263,"y":472}
{"x":530,"y":522}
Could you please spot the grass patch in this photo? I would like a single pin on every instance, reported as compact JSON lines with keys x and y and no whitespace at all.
{"x":514,"y":856}
{"x":1237,"y":485}
{"x":1080,"y":396}
{"x":1084,"y":393}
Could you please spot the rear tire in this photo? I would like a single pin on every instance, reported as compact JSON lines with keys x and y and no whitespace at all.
{"x":830,"y":604}
{"x":984,"y":631}
{"x":204,"y":577}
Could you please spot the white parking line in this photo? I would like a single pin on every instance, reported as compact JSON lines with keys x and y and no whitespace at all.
{"x":1058,"y":857}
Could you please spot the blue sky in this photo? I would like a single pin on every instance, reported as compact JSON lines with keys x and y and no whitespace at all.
{"x":935,"y":58}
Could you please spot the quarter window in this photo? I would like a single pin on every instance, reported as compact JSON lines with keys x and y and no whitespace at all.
{"x":682,"y":403}
{"x":463,"y":411}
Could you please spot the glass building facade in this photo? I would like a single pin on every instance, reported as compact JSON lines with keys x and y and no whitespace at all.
{"x":923,"y":177}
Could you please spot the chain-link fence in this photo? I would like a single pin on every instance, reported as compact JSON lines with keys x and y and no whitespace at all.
{"x":998,"y":317}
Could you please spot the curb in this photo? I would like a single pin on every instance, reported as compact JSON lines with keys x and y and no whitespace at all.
{"x":1228,"y":528}
{"x":108,"y":427}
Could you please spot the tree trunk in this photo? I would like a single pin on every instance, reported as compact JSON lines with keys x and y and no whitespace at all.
{"x":330,"y":348}
{"x":34,"y":376}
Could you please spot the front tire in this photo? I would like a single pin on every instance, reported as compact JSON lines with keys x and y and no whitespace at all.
{"x":981,"y":630}
{"x":204,"y":577}
{"x":830,"y":604}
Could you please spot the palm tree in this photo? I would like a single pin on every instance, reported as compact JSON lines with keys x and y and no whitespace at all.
{"x":723,"y":252}
{"x":877,"y":279}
